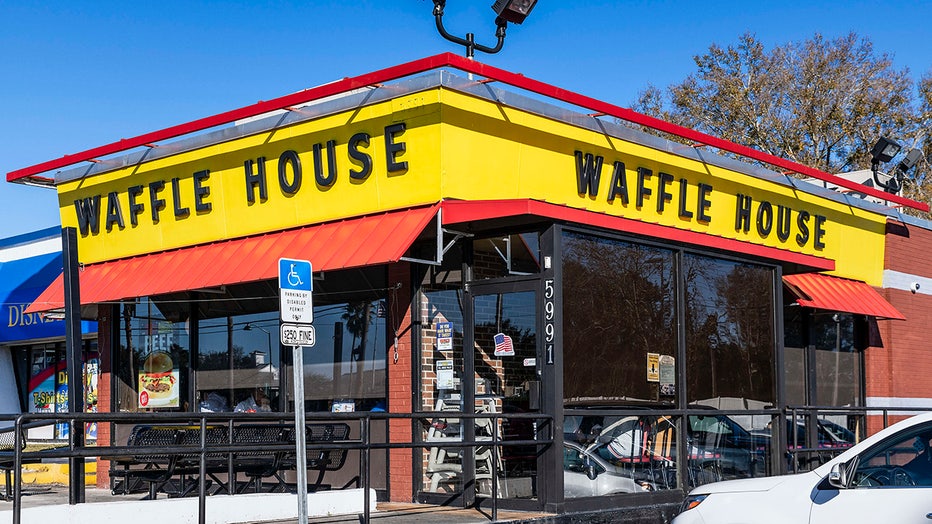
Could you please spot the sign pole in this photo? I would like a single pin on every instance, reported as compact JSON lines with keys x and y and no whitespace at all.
{"x":300,"y":436}
{"x":296,"y":308}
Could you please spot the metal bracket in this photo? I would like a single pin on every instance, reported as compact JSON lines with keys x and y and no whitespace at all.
{"x":442,"y":247}
{"x":457,"y":235}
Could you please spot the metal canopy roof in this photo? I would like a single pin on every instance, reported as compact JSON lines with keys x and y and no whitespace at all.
{"x":34,"y":174}
{"x":840,"y":294}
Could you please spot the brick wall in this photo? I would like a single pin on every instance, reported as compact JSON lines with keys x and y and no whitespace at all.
{"x":103,"y":391}
{"x":400,"y":383}
{"x":907,"y":248}
{"x":899,"y":363}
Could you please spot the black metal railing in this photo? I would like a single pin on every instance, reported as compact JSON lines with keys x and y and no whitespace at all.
{"x":19,"y":454}
{"x":824,"y":432}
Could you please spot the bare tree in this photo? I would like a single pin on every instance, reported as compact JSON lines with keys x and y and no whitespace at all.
{"x":921,"y":186}
{"x":820,"y":102}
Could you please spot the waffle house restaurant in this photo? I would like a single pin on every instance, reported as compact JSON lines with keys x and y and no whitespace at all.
{"x":480,"y":242}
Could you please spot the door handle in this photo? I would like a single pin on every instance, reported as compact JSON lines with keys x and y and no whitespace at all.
{"x":929,"y":515}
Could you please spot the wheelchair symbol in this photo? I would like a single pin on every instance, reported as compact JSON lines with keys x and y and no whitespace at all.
{"x":294,"y":279}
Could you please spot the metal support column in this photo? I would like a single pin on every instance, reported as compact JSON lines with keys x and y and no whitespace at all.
{"x":75,"y":360}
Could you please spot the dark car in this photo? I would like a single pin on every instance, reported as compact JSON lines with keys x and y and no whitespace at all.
{"x":833,"y":438}
{"x":723,"y":449}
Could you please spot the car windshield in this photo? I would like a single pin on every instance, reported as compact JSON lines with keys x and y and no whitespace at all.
{"x":715,"y":424}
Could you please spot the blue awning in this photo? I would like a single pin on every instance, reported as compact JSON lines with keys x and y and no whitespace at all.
{"x":21,"y":281}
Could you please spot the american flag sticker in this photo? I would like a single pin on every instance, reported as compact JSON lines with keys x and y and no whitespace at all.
{"x":503,"y":346}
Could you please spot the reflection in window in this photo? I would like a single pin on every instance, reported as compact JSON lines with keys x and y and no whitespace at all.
{"x":154,"y":349}
{"x":440,"y":313}
{"x":41,"y":378}
{"x":729,"y":333}
{"x":504,"y":255}
{"x":346,"y":369}
{"x":838,"y":363}
{"x":618,"y":306}
{"x":239,"y":363}
{"x":608,"y":454}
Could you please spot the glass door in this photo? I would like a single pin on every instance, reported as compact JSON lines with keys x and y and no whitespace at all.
{"x":506,"y":381}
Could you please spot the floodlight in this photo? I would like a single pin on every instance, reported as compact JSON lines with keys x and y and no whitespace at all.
{"x":884,"y":150}
{"x":514,"y":11}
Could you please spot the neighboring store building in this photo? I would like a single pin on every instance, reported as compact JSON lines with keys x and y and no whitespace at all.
{"x":477,"y":247}
{"x":33,"y":372}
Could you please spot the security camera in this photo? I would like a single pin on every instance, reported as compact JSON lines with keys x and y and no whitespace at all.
{"x":914,"y":287}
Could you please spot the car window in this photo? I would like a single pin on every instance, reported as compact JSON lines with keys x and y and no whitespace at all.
{"x":704,"y":424}
{"x":577,"y":460}
{"x":839,"y":433}
{"x":903,"y":461}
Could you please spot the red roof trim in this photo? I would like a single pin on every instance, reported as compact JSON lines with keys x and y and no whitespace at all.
{"x":355,"y":242}
{"x":840,"y":294}
{"x":470,"y":66}
{"x":458,"y":211}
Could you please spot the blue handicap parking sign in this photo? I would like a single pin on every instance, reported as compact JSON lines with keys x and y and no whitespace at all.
{"x":295,"y":274}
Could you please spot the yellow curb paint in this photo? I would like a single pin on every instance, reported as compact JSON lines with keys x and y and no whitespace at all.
{"x":53,"y":474}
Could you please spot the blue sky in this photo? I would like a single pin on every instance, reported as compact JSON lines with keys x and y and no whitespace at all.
{"x":77,"y":75}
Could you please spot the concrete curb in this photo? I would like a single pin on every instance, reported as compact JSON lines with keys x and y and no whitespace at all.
{"x":220,"y":509}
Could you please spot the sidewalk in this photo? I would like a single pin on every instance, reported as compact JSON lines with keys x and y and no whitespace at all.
{"x":403,"y":513}
{"x":44,"y":503}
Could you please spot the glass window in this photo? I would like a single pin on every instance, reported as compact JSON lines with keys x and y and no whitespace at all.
{"x":838,"y":363}
{"x":440,"y":313}
{"x":794,"y":362}
{"x":346,"y":368}
{"x":729,"y":325}
{"x":505,"y":255}
{"x":238,"y":363}
{"x":505,"y":358}
{"x":47,"y":386}
{"x":41,"y":375}
{"x":612,"y":454}
{"x":618,"y":321}
{"x":153,"y":356}
{"x":722,"y":449}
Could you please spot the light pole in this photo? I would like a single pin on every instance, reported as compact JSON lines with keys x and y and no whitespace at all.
{"x":274,"y":380}
{"x":514,"y":11}
{"x":884,"y":151}
{"x":250,"y":326}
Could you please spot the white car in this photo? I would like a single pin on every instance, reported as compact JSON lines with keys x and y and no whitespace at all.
{"x":887,"y":478}
{"x":586,"y":474}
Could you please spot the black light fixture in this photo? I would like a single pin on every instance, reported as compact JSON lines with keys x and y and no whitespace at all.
{"x":514,"y":11}
{"x":884,"y":151}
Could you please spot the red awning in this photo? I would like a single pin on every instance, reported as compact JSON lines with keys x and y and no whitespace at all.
{"x":355,"y":242}
{"x":839,"y":294}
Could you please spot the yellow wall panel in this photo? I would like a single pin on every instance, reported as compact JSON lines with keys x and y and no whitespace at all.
{"x":462,"y":147}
